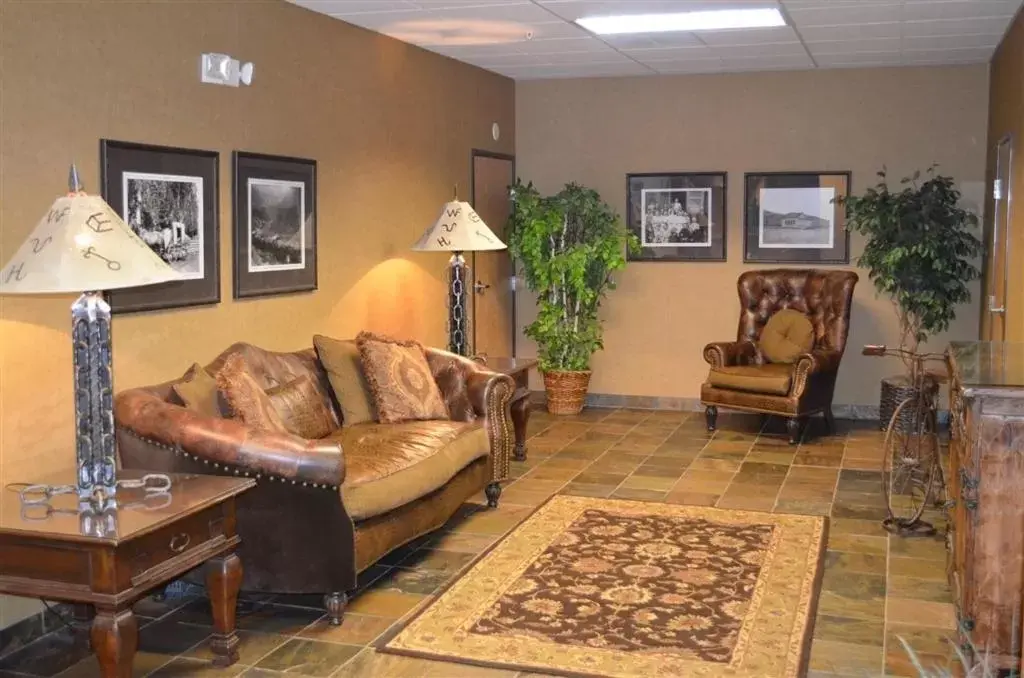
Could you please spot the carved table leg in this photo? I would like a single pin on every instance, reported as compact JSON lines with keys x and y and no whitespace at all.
{"x":223,"y":579}
{"x":115,"y":637}
{"x":520,"y":419}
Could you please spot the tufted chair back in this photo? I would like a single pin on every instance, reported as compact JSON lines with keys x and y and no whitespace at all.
{"x":825,"y":297}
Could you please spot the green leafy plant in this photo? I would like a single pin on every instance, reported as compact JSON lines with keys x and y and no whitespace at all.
{"x":920,"y":249}
{"x":569,"y":245}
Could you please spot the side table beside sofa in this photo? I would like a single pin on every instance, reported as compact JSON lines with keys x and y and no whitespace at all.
{"x":519,"y":370}
{"x":324,"y":510}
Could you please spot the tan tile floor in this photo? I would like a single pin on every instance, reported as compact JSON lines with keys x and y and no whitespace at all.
{"x":877,"y":588}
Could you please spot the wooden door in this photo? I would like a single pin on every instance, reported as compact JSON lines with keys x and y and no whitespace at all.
{"x":993,"y":321}
{"x":493,"y":272}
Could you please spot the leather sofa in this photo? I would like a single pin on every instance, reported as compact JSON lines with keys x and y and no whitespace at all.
{"x":324,"y":510}
{"x":741,"y":378}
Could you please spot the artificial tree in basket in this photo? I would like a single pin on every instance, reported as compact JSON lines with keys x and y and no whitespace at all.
{"x":568,"y":246}
{"x":920,"y":252}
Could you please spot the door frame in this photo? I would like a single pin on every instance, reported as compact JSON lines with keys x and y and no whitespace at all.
{"x":473,"y":155}
{"x":1000,"y":218}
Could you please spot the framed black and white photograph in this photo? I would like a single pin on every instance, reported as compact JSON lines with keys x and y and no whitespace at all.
{"x":678,"y":216}
{"x":275,"y":225}
{"x":168,"y":196}
{"x":794,"y":217}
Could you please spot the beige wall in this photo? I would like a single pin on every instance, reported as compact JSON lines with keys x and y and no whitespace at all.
{"x":595,"y":131}
{"x":390,"y":125}
{"x":1006,"y":116}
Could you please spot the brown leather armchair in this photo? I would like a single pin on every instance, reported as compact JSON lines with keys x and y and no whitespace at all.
{"x":741,"y":378}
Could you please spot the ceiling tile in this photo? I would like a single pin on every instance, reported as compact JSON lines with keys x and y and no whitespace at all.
{"x":354,"y":6}
{"x":574,"y":9}
{"x":861,"y":59}
{"x":990,"y":25}
{"x":767,"y":50}
{"x":833,"y":15}
{"x":958,"y":9}
{"x":951,"y":41}
{"x":853,"y":46}
{"x":558,"y":29}
{"x":557,"y":45}
{"x":749,"y":37}
{"x":650,"y":40}
{"x":674,"y":68}
{"x":767,"y":63}
{"x":579,"y":71}
{"x":947,"y":56}
{"x":671,"y":54}
{"x":852,"y":32}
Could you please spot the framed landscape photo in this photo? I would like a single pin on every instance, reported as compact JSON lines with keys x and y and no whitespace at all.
{"x":168,"y":196}
{"x":794,"y":218}
{"x":677,"y":216}
{"x":275,"y":225}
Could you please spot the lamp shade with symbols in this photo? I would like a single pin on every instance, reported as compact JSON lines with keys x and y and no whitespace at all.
{"x":459,"y":229}
{"x":82,"y":245}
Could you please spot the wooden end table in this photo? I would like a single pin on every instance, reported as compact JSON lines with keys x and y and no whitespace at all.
{"x":519,"y":370}
{"x":111,"y":558}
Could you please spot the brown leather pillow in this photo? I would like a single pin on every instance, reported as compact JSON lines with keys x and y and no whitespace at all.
{"x":400,"y":380}
{"x":786,"y":335}
{"x":345,"y":372}
{"x":302,"y":408}
{"x":198,"y":390}
{"x":451,"y":380}
{"x":248,"y":402}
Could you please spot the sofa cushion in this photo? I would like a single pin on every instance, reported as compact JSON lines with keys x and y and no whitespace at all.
{"x":248,"y":402}
{"x":400,"y":379}
{"x":786,"y":335}
{"x":773,"y":378}
{"x":198,"y":390}
{"x":302,"y":408}
{"x":345,"y":371}
{"x":389,"y":465}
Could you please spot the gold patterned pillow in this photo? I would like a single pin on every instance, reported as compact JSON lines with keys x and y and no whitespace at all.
{"x":302,"y":408}
{"x":248,"y":402}
{"x":400,"y":380}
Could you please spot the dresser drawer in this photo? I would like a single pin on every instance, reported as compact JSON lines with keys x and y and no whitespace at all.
{"x":176,"y":541}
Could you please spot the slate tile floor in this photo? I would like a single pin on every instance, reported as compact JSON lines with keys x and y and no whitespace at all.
{"x":876,"y":589}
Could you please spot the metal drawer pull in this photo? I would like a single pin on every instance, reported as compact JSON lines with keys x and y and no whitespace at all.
{"x":180,"y":542}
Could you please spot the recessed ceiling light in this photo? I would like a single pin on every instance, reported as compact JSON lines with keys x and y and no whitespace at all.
{"x":712,"y":20}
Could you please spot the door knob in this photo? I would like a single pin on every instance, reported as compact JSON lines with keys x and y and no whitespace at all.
{"x":480,"y":287}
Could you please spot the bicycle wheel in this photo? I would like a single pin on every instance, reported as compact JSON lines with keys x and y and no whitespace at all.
{"x":909,"y":467}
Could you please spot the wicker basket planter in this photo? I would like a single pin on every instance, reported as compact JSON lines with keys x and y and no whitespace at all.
{"x":566,"y":391}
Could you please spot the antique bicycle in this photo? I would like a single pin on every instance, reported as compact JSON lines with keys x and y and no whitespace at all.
{"x":912,"y":473}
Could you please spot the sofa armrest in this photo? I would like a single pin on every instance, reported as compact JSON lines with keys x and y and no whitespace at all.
{"x":817,"y":362}
{"x":229,"y":442}
{"x":727,"y":353}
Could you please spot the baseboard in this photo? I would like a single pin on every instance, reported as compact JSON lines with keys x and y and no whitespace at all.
{"x":633,"y":402}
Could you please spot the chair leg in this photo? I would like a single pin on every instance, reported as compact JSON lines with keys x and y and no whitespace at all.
{"x":335,"y":604}
{"x":793,"y":428}
{"x":711,"y":416}
{"x":493,"y":492}
{"x":830,"y":422}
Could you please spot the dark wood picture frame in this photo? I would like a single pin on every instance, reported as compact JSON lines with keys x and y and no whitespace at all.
{"x":711,"y":242}
{"x":756,"y":229}
{"x":121,"y":158}
{"x":273,"y":269}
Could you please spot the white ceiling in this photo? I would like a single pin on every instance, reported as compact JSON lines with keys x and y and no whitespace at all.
{"x":530,"y":39}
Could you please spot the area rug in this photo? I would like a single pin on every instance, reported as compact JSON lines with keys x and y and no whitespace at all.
{"x":610,"y":588}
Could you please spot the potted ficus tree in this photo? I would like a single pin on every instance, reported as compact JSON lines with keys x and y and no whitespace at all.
{"x":920,"y":252}
{"x":568,"y":246}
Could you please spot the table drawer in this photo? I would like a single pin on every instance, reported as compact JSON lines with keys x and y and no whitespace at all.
{"x":176,"y":540}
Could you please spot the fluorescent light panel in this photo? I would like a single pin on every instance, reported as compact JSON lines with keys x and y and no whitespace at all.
{"x":711,"y":20}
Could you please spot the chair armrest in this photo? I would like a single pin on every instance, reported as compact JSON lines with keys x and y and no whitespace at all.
{"x":727,"y":353}
{"x":821,"y":361}
{"x":229,"y":442}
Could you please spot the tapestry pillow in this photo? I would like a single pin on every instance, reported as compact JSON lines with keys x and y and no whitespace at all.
{"x":302,"y":408}
{"x":400,"y":380}
{"x":345,"y":372}
{"x":198,"y":390}
{"x":787,"y":334}
{"x":248,"y":402}
{"x":451,"y":381}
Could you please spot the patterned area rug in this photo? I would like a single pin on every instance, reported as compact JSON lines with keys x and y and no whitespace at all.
{"x":611,"y":588}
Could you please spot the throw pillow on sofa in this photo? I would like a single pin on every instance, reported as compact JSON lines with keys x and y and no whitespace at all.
{"x":248,"y":401}
{"x":451,"y":380}
{"x":786,"y":335}
{"x":302,"y":408}
{"x":345,"y":372}
{"x":198,"y":390}
{"x":400,"y":379}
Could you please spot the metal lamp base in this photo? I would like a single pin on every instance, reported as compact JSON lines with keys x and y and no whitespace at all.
{"x":94,"y":397}
{"x":458,"y":306}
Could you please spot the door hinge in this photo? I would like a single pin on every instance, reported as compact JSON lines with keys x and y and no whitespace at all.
{"x":997,"y":189}
{"x":512,"y":281}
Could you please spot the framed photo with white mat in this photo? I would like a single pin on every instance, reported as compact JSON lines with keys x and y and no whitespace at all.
{"x":677,"y":216}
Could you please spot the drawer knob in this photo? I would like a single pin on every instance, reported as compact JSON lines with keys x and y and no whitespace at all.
{"x":179,"y":542}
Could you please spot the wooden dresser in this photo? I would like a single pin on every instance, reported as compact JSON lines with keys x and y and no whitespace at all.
{"x":986,"y":489}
